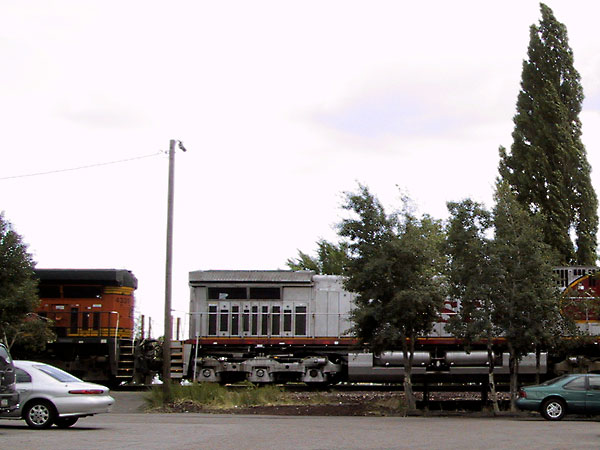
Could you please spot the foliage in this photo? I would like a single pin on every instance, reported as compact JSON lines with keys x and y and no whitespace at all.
{"x":18,"y":292}
{"x":330,"y":259}
{"x":395,"y":268}
{"x":31,"y":335}
{"x":525,"y":303}
{"x":470,"y":268}
{"x":547,"y":166}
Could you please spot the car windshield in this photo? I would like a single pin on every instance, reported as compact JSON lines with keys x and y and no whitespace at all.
{"x":56,"y":373}
{"x":554,"y":380}
{"x":4,"y":357}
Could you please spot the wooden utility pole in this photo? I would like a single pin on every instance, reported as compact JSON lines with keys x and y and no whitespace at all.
{"x":168,"y":282}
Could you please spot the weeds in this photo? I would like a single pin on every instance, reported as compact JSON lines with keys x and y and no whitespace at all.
{"x":213,"y":395}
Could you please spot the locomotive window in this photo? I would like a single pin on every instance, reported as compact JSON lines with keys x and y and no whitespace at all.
{"x":276,"y":320}
{"x":265,"y":293}
{"x":227,"y":293}
{"x":82,"y":291}
{"x":49,"y":291}
{"x":300,"y":329}
{"x":212,"y":320}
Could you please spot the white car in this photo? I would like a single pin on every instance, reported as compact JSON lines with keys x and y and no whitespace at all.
{"x":49,"y":395}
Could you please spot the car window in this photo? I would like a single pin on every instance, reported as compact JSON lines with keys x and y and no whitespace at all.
{"x":578,"y":384}
{"x":594,"y":383}
{"x":553,"y":380}
{"x":22,"y":376}
{"x":4,"y":357}
{"x":56,"y":373}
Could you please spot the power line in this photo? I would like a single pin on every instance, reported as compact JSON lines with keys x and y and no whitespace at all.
{"x":81,"y":167}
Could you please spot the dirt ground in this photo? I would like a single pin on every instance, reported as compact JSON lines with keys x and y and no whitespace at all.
{"x":354,"y":403}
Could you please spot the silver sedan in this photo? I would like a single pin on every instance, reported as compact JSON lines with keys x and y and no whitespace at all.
{"x":49,"y":395}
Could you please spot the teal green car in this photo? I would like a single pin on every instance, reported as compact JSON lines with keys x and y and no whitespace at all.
{"x":568,"y":394}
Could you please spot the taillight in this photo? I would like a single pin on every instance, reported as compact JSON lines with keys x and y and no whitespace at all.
{"x":87,"y":391}
{"x":522,"y":394}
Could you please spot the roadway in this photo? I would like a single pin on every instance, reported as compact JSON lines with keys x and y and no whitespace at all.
{"x":127,"y":428}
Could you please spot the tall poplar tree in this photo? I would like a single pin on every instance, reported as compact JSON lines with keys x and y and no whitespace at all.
{"x":547,"y":165}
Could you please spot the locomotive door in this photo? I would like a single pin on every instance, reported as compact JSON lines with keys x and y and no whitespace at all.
{"x":235,"y":319}
{"x":212,"y":319}
{"x":246,"y":318}
{"x":300,"y":319}
{"x":287,"y":319}
{"x":333,"y":313}
{"x":224,"y":318}
{"x":276,"y":319}
{"x":74,"y":321}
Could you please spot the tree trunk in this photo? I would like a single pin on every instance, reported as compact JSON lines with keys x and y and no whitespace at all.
{"x":491,"y":379}
{"x":411,"y":401}
{"x":512,"y":364}
{"x":538,"y":355}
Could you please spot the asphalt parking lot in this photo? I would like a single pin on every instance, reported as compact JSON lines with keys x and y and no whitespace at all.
{"x":218,"y":431}
{"x":128,"y":402}
{"x":128,"y":427}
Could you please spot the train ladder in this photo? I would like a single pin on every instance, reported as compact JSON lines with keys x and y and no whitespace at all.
{"x":177,"y":359}
{"x":125,"y":361}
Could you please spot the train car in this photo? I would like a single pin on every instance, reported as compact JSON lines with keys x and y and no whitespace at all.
{"x":276,"y":326}
{"x":92,"y":311}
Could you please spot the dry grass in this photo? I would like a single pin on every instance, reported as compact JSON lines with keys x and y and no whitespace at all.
{"x":215,"y":396}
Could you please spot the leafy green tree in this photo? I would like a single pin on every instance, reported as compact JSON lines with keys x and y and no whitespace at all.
{"x":470,"y":269}
{"x":18,"y":292}
{"x":547,"y":166}
{"x":395,"y":267}
{"x":330,"y":259}
{"x":525,"y":299}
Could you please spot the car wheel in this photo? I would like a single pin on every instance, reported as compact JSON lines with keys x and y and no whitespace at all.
{"x":553,"y":409}
{"x":39,"y":414}
{"x":65,"y":422}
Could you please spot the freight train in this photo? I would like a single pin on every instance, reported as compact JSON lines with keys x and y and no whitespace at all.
{"x":92,"y":314}
{"x":271,"y":327}
{"x":278,"y":326}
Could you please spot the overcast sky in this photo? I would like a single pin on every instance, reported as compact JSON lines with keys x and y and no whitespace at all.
{"x":282,"y":107}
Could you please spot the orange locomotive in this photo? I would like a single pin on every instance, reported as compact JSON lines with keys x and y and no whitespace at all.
{"x":92,"y":311}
